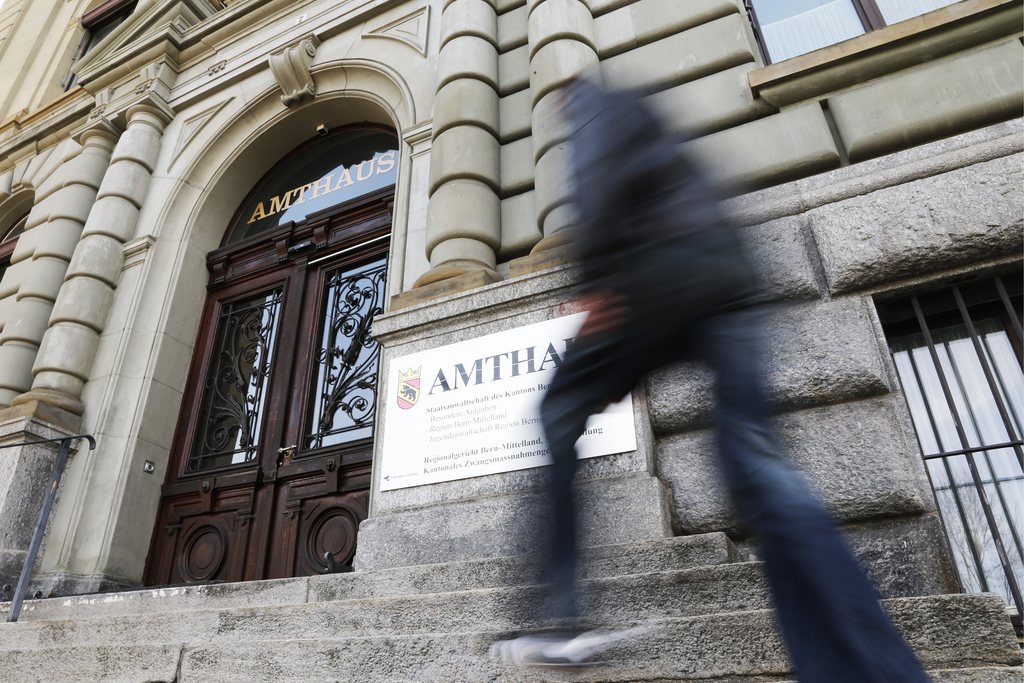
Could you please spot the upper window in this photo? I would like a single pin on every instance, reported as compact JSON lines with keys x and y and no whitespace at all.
{"x":98,"y":23}
{"x":787,"y":28}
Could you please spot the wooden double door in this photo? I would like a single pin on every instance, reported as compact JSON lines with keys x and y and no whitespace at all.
{"x":270,"y":470}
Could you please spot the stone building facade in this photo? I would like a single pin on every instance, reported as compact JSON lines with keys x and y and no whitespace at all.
{"x":131,"y":167}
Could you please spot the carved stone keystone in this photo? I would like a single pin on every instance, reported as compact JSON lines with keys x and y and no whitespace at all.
{"x":291,"y":69}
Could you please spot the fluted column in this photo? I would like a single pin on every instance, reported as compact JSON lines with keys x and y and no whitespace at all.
{"x":464,"y":211}
{"x":69,"y":346}
{"x":562,"y":45}
{"x":54,"y":227}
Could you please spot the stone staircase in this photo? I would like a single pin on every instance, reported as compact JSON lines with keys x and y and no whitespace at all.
{"x":708,"y":615}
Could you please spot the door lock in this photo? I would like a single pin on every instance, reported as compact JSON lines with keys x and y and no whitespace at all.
{"x":286,"y":454}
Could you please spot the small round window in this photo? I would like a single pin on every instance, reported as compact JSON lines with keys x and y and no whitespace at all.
{"x":319,"y":175}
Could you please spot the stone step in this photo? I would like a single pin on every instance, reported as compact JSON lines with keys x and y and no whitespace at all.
{"x":610,"y":600}
{"x":965,"y":637}
{"x":680,"y":552}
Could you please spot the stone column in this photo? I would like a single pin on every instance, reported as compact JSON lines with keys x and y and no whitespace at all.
{"x":464,"y":212}
{"x":54,"y":228}
{"x":69,"y":346}
{"x":562,"y":45}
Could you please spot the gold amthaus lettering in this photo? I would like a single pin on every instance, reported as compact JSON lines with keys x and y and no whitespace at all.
{"x":364,"y":170}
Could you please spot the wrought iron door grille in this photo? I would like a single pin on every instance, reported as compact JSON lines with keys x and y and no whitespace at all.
{"x":234,"y":393}
{"x":345,"y":390}
{"x":958,"y":357}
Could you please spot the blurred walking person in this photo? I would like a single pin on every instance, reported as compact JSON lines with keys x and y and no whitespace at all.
{"x":665,"y":279}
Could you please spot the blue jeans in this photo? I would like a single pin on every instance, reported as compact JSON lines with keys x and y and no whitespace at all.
{"x":828,"y":610}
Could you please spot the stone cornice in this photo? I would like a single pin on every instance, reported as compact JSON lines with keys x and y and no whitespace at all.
{"x":21,"y":133}
{"x":157,"y":36}
{"x":150,"y":86}
{"x":229,"y":47}
{"x":156,"y":31}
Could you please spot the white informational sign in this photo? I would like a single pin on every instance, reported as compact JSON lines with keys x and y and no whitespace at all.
{"x":472,"y":408}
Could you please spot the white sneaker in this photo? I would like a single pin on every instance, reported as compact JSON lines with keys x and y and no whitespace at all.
{"x":558,"y":650}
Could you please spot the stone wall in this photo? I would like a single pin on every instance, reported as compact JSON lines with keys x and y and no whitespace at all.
{"x":469,"y":87}
{"x":916,"y":217}
{"x":696,"y":60}
{"x":842,"y":419}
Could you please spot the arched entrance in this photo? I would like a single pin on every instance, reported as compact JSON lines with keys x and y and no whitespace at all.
{"x":269,"y":472}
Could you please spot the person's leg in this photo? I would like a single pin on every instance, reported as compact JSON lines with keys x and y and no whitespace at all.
{"x":828,"y":610}
{"x":594,"y":372}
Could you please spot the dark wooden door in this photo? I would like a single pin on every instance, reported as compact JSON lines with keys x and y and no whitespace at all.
{"x":270,"y":470}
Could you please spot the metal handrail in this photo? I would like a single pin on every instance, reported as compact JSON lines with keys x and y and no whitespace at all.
{"x":44,"y":513}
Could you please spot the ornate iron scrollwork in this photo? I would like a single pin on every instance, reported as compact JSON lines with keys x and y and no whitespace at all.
{"x":345,"y":393}
{"x":236,"y":383}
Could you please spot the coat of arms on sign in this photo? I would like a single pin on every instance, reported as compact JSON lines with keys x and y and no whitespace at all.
{"x":408,"y":388}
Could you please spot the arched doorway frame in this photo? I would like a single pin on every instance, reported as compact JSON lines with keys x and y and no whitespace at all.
{"x":107,"y":512}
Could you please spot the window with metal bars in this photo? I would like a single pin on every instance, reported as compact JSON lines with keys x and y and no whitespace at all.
{"x":787,"y":28}
{"x":958,"y":355}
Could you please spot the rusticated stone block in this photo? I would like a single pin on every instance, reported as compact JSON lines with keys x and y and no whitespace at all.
{"x":816,"y":353}
{"x":559,"y":20}
{"x":937,"y":99}
{"x":655,"y":18}
{"x":463,"y":102}
{"x":519,"y":231}
{"x":465,"y":152}
{"x":468,"y":57}
{"x":517,"y":167}
{"x":710,"y":104}
{"x":469,"y":18}
{"x":780,"y":254}
{"x":614,"y":510}
{"x":127,"y":178}
{"x":703,"y":50}
{"x":512,"y":29}
{"x":557,"y":62}
{"x":514,"y":70}
{"x":855,"y":456}
{"x":45,"y":277}
{"x":468,"y":205}
{"x":905,"y":557}
{"x":934,"y":223}
{"x":514,"y":116}
{"x":84,"y":300}
{"x":790,"y":144}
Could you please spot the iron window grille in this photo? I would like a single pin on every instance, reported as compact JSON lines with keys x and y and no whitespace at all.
{"x":958,"y":355}
{"x":788,"y":28}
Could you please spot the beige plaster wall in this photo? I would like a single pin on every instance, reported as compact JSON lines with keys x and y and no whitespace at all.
{"x":38,"y":39}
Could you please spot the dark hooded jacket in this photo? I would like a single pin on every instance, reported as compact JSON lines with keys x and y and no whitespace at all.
{"x":649,"y":224}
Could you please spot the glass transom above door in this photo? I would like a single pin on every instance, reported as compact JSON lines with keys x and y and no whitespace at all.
{"x":323,"y":173}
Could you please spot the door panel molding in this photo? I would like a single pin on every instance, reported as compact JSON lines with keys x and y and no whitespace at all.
{"x":269,"y":516}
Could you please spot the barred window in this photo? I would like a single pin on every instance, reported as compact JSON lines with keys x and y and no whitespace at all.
{"x":958,"y":353}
